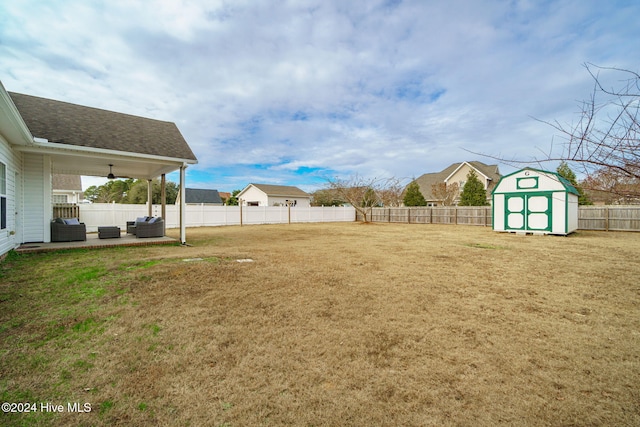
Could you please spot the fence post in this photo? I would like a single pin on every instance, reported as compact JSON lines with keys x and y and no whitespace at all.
{"x":606,"y":219}
{"x":455,"y":215}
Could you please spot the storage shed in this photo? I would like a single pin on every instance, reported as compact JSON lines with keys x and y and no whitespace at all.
{"x":535,"y":201}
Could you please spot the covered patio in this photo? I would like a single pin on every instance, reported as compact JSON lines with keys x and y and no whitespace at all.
{"x":78,"y":140}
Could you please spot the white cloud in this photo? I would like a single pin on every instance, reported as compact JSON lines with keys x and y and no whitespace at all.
{"x":396,"y":88}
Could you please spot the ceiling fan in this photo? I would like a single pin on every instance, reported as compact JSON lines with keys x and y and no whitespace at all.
{"x":112,"y":176}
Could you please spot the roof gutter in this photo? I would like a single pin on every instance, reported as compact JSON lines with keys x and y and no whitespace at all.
{"x":42,"y":145}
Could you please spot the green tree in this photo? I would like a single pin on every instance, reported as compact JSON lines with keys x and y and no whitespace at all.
{"x":473,"y":192}
{"x":565,"y":171}
{"x":113,"y":191}
{"x":138,"y":192}
{"x":326,"y":197}
{"x":233,"y":200}
{"x":413,"y":196}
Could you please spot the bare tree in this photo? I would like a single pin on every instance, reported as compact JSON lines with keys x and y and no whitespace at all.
{"x":607,"y":136}
{"x":392,"y":192}
{"x":447,"y":194}
{"x":605,"y":141}
{"x":366,"y":193}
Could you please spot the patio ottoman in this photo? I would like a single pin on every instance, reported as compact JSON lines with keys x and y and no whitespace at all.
{"x":108,"y":232}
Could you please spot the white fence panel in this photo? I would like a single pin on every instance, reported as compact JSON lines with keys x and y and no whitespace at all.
{"x":102,"y":214}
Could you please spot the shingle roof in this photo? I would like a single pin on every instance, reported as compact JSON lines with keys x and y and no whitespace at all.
{"x":427,"y":180}
{"x":281,"y":190}
{"x":196,"y":195}
{"x":66,"y":182}
{"x":65,"y":123}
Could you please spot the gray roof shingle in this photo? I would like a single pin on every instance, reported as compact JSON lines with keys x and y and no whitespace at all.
{"x":281,"y":190}
{"x":66,"y":182}
{"x":196,"y":195}
{"x":65,"y":123}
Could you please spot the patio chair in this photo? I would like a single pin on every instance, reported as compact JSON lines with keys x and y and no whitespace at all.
{"x":68,"y":230}
{"x":152,"y":228}
{"x":131,"y":225}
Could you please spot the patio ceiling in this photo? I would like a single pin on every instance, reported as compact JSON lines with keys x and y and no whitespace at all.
{"x":92,"y":163}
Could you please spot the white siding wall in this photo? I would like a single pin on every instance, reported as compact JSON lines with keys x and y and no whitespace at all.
{"x":12,"y":160}
{"x":573,"y":213}
{"x":559,"y":212}
{"x":37,"y":198}
{"x":253,"y":195}
{"x":281,"y":201}
{"x":498,"y":212}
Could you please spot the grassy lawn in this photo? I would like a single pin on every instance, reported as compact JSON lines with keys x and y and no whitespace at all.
{"x":330,"y":324}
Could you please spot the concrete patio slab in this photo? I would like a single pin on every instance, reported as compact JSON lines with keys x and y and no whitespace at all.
{"x":93,"y":242}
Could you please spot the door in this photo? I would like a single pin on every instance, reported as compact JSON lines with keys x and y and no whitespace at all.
{"x":528,"y":211}
{"x":18,"y":207}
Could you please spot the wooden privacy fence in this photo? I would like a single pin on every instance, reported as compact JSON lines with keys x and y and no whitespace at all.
{"x":66,"y":210}
{"x":463,"y":215}
{"x":608,"y":218}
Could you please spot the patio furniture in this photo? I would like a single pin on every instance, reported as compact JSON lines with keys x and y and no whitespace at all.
{"x":131,"y":225}
{"x":108,"y":232}
{"x":68,"y":230}
{"x":152,"y":228}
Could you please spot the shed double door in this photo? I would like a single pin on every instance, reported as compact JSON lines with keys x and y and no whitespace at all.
{"x":528,"y":211}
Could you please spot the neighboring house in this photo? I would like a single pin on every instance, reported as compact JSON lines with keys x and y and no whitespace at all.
{"x":67,"y":189}
{"x":196,"y":196}
{"x":224,"y":196}
{"x":41,"y":137}
{"x":457,"y":173}
{"x":273,"y":195}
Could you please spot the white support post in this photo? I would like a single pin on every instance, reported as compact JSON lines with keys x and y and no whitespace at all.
{"x":163,"y":197}
{"x":183,"y":227}
{"x":149,"y":197}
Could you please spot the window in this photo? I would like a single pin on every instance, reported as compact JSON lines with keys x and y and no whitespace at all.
{"x":3,"y":196}
{"x":60,"y":198}
{"x":3,"y":179}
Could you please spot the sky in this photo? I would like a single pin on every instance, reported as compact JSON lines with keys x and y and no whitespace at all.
{"x":300,"y":92}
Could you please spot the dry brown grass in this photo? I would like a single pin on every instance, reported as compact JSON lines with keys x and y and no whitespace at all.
{"x":346,"y":324}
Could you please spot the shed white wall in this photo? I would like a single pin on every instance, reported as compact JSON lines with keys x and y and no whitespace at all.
{"x":572,"y":213}
{"x":37,"y":190}
{"x":253,"y":195}
{"x":546,"y":182}
{"x":564,"y":205}
{"x":559,"y":213}
{"x":9,"y":236}
{"x":498,"y":212}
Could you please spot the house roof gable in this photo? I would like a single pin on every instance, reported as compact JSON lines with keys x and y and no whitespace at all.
{"x":565,"y":182}
{"x":277,"y":190}
{"x":427,"y":180}
{"x":71,"y":124}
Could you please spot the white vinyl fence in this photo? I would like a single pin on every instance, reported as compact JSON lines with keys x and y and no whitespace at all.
{"x":101,"y":214}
